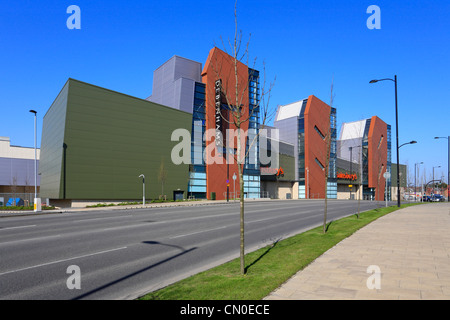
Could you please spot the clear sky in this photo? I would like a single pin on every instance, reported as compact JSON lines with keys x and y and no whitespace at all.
{"x":304,"y":43}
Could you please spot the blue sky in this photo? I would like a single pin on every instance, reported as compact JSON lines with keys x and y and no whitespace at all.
{"x":305,"y":44}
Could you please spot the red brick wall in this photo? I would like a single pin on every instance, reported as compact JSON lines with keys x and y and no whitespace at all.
{"x":317,"y":113}
{"x":220,"y":65}
{"x":377,"y":156}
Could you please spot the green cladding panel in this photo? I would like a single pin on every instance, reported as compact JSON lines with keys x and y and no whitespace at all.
{"x":288,"y":164}
{"x":111,"y":138}
{"x":50,"y":164}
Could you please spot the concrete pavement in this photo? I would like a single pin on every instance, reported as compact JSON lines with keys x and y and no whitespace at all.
{"x":404,"y":255}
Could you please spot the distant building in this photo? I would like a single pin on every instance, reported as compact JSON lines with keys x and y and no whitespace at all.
{"x":96,"y":142}
{"x":17,"y":173}
{"x":305,"y":124}
{"x":366,"y":143}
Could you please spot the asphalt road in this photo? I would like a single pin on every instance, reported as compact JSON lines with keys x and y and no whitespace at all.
{"x":123,"y":254}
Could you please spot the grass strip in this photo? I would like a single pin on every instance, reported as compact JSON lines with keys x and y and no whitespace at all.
{"x":269,"y":267}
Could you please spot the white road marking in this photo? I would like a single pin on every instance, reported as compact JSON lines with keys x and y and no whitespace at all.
{"x":62,"y":260}
{"x":190,"y":234}
{"x":30,"y":239}
{"x":9,"y":228}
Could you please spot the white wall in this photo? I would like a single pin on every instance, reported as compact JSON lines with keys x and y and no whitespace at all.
{"x":8,"y":151}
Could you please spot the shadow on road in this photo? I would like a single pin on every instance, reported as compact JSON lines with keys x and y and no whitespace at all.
{"x":183,"y":252}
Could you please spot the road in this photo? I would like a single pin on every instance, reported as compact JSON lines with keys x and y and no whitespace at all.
{"x":122,"y":254}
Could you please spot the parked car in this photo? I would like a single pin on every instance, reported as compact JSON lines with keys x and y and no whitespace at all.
{"x":437,"y":198}
{"x":426,"y":198}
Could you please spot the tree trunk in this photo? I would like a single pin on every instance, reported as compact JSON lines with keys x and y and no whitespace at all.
{"x":326,"y":208}
{"x":241,"y":200}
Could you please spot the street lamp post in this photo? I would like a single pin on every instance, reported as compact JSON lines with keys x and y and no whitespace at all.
{"x":396,"y":130}
{"x":37,"y":202}
{"x":411,"y":142}
{"x":415,"y":180}
{"x":143,"y":188}
{"x":398,"y":169}
{"x":434,"y":182}
{"x":351,"y":161}
{"x":448,"y":167}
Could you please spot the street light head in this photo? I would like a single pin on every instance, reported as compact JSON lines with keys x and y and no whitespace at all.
{"x":373,"y":81}
{"x":413,"y":142}
{"x":33,"y":111}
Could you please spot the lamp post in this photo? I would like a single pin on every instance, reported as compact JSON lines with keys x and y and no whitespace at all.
{"x":396,"y":129}
{"x":351,"y":161}
{"x":448,"y":168}
{"x":411,"y":142}
{"x":37,"y":203}
{"x":434,"y":182}
{"x":415,"y":180}
{"x":143,"y":189}
{"x":398,"y":169}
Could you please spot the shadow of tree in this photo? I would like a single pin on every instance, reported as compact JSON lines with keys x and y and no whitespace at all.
{"x":261,"y":256}
{"x":328,"y":225}
{"x":183,"y":252}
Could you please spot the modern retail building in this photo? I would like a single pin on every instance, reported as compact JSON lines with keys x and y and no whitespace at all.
{"x":97,"y":142}
{"x":366,"y":145}
{"x":17,"y":173}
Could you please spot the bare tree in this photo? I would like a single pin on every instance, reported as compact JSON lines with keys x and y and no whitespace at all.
{"x":14,"y":189}
{"x":162,"y":177}
{"x":327,"y":162}
{"x":235,"y":96}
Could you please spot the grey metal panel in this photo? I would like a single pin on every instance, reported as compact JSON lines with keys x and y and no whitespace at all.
{"x":19,"y":172}
{"x":343,"y":150}
{"x":184,"y":94}
{"x":288,"y":131}
{"x":283,"y":147}
{"x":345,"y":165}
{"x":5,"y":171}
{"x":187,"y":69}
{"x":51,"y":145}
{"x":174,"y":83}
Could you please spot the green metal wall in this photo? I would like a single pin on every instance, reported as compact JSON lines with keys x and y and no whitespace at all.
{"x":288,"y":164}
{"x":50,"y":164}
{"x":112,"y":138}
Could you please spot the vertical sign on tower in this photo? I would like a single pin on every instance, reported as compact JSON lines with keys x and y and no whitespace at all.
{"x":218,"y":102}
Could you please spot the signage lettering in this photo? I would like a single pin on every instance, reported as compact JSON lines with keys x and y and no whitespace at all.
{"x":347,"y":176}
{"x":218,"y":103}
{"x":272,"y":171}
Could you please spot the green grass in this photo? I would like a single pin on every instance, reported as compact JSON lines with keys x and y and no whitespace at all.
{"x":266,"y":268}
{"x":98,"y":205}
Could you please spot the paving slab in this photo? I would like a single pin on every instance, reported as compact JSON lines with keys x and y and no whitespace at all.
{"x":404,"y":255}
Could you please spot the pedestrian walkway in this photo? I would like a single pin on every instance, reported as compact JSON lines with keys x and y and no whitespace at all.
{"x":404,"y":255}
